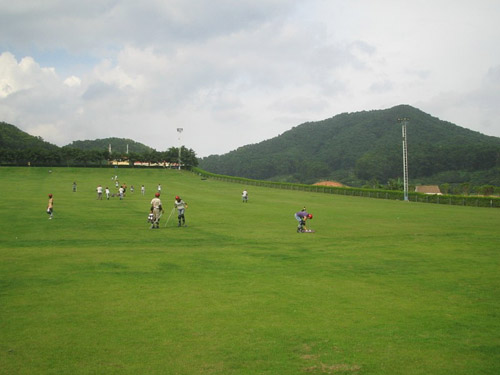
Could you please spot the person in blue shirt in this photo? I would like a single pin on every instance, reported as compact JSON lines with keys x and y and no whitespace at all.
{"x":301,"y":217}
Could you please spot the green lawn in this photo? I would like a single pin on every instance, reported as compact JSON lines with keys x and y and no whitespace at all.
{"x":382,"y":287}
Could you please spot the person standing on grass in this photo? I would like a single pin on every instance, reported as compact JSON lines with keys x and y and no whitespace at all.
{"x":74,"y":187}
{"x":121,"y":192}
{"x":244,"y":196}
{"x":157,"y":210}
{"x":143,"y":189}
{"x":99,"y":192}
{"x":50,"y":207}
{"x":181,"y":207}
{"x":301,"y":217}
{"x":107,"y":193}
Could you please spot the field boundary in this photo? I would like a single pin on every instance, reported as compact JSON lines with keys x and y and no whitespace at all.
{"x":455,"y":200}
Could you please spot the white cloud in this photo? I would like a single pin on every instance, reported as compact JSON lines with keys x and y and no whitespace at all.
{"x":476,"y":108}
{"x":25,"y":75}
{"x":73,"y":81}
{"x":232,"y":73}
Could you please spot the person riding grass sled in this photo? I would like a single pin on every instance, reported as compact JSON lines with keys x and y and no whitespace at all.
{"x":302,"y":217}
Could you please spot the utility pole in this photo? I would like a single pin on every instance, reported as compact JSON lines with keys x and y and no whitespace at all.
{"x":179,"y":130}
{"x":404,"y":121}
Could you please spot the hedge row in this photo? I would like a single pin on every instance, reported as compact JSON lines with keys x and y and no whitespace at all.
{"x":458,"y":200}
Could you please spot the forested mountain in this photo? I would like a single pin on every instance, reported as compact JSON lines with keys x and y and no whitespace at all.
{"x":362,"y":148}
{"x":20,"y":148}
{"x":366,"y":147}
{"x":12,"y":138}
{"x":117,"y":145}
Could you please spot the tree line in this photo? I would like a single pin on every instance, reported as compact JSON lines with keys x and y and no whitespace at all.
{"x":69,"y":156}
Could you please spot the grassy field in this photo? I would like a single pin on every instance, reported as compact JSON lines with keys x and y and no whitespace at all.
{"x":382,"y":287}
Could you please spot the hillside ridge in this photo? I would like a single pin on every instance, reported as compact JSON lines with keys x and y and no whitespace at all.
{"x":366,"y":147}
{"x":117,"y":145}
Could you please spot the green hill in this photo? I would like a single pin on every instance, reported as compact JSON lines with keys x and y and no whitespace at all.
{"x":117,"y":145}
{"x":12,"y":138}
{"x":355,"y":148}
{"x":20,"y":148}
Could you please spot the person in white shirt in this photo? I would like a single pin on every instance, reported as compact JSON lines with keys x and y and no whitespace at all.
{"x":99,"y":192}
{"x":157,"y":210}
{"x":181,"y":207}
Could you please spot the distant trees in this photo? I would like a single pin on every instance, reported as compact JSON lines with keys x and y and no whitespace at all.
{"x":68,"y":156}
{"x":120,"y":145}
{"x":20,"y":148}
{"x":12,"y":138}
{"x":356,"y":148}
{"x":188,"y":156}
{"x":465,"y":188}
{"x":445,"y":188}
{"x":395,"y":184}
{"x":381,"y":165}
{"x":486,"y":190}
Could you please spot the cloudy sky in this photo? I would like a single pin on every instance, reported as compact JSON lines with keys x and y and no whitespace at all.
{"x":231,"y":73}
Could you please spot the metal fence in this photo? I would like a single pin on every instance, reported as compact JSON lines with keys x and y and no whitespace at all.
{"x":456,"y":200}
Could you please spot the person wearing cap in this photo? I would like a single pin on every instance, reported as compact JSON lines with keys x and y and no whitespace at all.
{"x":181,"y":207}
{"x":157,"y":210}
{"x":301,"y":217}
{"x":50,"y":207}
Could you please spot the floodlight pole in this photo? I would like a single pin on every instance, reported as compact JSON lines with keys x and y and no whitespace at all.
{"x":404,"y":121}
{"x":179,"y":130}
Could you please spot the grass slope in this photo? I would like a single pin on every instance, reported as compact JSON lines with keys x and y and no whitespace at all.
{"x":382,"y":287}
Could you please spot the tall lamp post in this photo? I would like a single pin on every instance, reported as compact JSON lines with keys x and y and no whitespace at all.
{"x":179,"y":130}
{"x":404,"y":121}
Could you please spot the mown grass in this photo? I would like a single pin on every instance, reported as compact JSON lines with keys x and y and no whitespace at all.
{"x":382,"y":287}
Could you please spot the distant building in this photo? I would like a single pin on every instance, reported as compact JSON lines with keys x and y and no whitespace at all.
{"x":428,"y":189}
{"x":164,"y":164}
{"x":118,"y":162}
